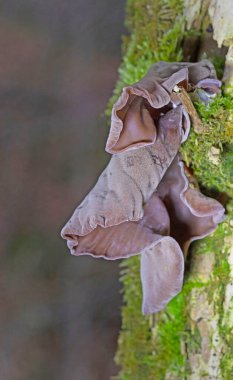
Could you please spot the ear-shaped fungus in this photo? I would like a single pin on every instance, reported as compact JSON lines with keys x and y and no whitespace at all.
{"x":143,"y":201}
{"x":136,"y":112}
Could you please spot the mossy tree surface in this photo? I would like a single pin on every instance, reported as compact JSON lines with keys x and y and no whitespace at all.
{"x":192,"y":338}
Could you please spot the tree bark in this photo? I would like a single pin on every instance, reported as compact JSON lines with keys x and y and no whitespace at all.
{"x":192,"y":338}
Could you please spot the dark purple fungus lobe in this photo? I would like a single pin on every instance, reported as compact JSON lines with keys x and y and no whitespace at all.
{"x":136,"y":113}
{"x":139,"y":106}
{"x":135,"y":174}
{"x":192,"y":214}
{"x":143,"y":202}
{"x":173,"y":217}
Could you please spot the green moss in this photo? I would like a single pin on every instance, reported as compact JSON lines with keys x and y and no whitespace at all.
{"x":148,"y":345}
{"x":222,"y":275}
{"x":151,"y":347}
{"x":217,"y":119}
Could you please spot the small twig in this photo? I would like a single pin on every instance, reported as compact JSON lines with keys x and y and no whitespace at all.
{"x":188,"y":105}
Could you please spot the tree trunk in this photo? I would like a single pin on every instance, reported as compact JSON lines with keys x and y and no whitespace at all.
{"x":193,"y":337}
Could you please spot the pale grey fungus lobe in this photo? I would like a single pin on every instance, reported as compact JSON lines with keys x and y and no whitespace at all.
{"x":144,"y":201}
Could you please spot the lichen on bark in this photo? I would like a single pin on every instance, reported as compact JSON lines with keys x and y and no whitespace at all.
{"x":192,"y":338}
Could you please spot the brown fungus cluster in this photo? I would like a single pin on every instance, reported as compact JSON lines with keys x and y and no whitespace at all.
{"x":145,"y":201}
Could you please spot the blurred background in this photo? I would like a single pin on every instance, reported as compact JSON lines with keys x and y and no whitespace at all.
{"x":59,"y":314}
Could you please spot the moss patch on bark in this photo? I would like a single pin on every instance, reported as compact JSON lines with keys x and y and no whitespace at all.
{"x":168,"y":345}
